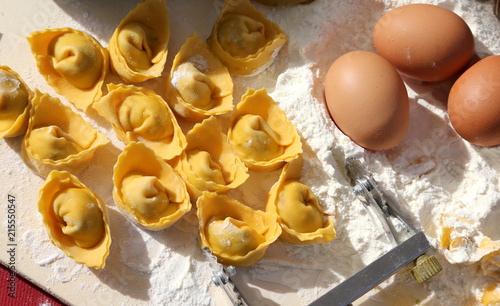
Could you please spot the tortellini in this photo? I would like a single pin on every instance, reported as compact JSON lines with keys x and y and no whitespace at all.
{"x":244,"y":39}
{"x":58,"y":138}
{"x":147,"y":190}
{"x":15,"y":101}
{"x":76,"y":219}
{"x":139,"y":114}
{"x":138,"y":47}
{"x":235,"y":233}
{"x":199,"y":85}
{"x":261,"y":133}
{"x":208,"y":162}
{"x":73,"y":63}
{"x":300,"y":215}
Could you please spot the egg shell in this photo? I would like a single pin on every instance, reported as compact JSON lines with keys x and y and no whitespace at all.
{"x":424,"y":42}
{"x":367,"y":100}
{"x":474,"y":103}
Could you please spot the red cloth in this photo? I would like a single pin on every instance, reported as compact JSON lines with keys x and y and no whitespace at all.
{"x":26,"y":293}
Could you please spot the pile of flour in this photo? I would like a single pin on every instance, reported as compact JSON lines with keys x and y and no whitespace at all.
{"x":438,"y":179}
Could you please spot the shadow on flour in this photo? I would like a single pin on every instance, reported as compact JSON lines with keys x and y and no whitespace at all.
{"x":430,"y":150}
{"x":127,"y":267}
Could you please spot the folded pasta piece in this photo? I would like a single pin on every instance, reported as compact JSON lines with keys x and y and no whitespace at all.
{"x":147,"y":190}
{"x":300,"y":215}
{"x":208,"y":163}
{"x":199,"y":85}
{"x":58,"y":138}
{"x":261,"y":134}
{"x":76,"y":219}
{"x":72,"y":62}
{"x":244,"y":39}
{"x":235,"y":233}
{"x":15,"y":102}
{"x":139,"y":114}
{"x":138,"y":47}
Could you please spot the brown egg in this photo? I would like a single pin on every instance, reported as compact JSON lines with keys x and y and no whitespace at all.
{"x":367,"y":99}
{"x":474,"y":103}
{"x":424,"y":42}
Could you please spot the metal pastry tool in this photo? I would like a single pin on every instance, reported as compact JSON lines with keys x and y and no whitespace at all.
{"x":409,"y":244}
{"x":222,"y":278}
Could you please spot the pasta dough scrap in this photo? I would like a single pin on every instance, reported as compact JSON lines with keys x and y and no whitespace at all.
{"x":244,"y":39}
{"x":58,"y":138}
{"x":138,"y":47}
{"x":72,"y":62}
{"x":261,"y":134}
{"x":15,"y":103}
{"x":139,"y":114}
{"x":460,"y":240}
{"x":76,"y":219}
{"x":147,"y":190}
{"x":235,"y":233}
{"x":208,"y":162}
{"x":300,"y":215}
{"x":199,"y":85}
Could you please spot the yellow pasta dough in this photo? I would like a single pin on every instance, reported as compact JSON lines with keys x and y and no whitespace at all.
{"x":15,"y":101}
{"x":58,"y":138}
{"x":199,"y":85}
{"x":300,"y":215}
{"x":139,"y":114}
{"x":72,"y":62}
{"x":138,"y":47}
{"x":283,"y":2}
{"x":147,"y":190}
{"x":208,"y":162}
{"x":76,"y":219}
{"x":244,"y":39}
{"x":261,"y":134}
{"x":235,"y":233}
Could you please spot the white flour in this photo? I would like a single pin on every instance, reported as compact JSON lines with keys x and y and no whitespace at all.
{"x":439,"y":179}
